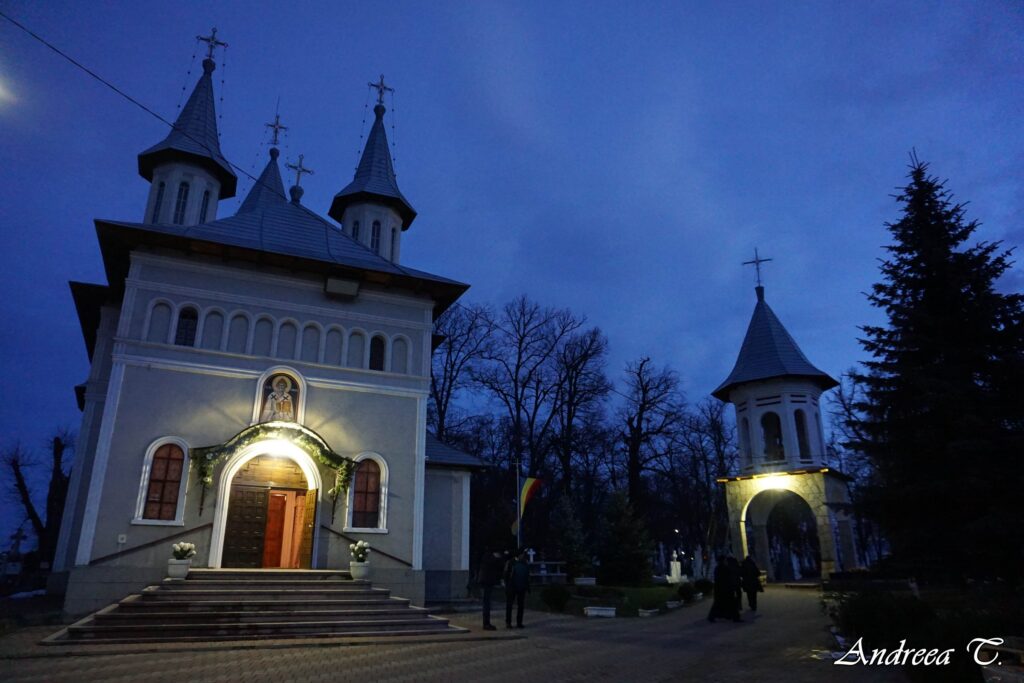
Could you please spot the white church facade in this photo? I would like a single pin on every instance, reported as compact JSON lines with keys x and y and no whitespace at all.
{"x":259,"y":383}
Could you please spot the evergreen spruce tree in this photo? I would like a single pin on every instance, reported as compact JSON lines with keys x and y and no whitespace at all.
{"x":626,"y":548}
{"x":942,"y":415}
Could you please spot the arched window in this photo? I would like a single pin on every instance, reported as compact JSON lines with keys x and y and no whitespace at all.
{"x":159,"y":323}
{"x":213,"y":330}
{"x":375,"y":237}
{"x":263,"y":334}
{"x":164,"y":472}
{"x":356,"y":345}
{"x":310,"y":351}
{"x":394,"y":243}
{"x":204,"y":206}
{"x":801,"y":434}
{"x":185,"y":333}
{"x":158,"y":203}
{"x":287,"y":335}
{"x":400,"y":355}
{"x":369,"y":495}
{"x":771,"y":436}
{"x":355,"y":230}
{"x":238,"y":333}
{"x":377,"y":353}
{"x":181,"y":203}
{"x":332,"y":347}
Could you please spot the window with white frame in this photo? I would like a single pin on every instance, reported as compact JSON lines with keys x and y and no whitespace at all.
{"x":164,"y":480}
{"x":368,"y":492}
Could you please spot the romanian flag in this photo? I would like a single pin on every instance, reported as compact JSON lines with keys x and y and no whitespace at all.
{"x":530,"y":486}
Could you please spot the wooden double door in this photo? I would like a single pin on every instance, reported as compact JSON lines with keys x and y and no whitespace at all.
{"x":269,"y":527}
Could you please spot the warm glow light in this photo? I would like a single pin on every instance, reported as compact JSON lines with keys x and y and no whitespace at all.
{"x":772,"y":481}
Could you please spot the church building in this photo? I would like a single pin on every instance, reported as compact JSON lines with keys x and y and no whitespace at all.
{"x":259,"y":381}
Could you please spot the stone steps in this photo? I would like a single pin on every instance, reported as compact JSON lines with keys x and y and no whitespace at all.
{"x":215,"y":605}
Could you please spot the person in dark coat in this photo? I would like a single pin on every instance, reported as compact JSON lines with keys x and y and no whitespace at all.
{"x":726,"y":585}
{"x":517,"y":585}
{"x":750,"y":575}
{"x":489,"y":576}
{"x":737,"y":581}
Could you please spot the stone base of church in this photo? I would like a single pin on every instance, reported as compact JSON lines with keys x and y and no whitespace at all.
{"x":93,"y":588}
{"x":403,"y":583}
{"x":443,"y":586}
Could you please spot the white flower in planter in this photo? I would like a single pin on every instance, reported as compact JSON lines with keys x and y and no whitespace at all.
{"x":183,"y":550}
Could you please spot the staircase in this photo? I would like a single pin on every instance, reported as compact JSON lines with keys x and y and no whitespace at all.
{"x":217,"y":604}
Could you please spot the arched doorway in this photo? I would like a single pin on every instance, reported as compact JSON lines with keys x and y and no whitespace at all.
{"x":782,"y":534}
{"x":267,"y":504}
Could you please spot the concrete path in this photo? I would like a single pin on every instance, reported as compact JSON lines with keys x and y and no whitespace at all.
{"x":778,"y":645}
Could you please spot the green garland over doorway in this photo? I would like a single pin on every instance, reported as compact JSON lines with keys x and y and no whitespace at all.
{"x":206,"y":458}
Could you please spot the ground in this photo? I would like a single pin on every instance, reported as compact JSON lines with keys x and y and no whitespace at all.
{"x":779,"y":644}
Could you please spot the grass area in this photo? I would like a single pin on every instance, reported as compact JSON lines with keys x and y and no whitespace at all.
{"x":626,"y":600}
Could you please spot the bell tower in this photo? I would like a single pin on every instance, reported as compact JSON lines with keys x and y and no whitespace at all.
{"x":187,"y":172}
{"x":371,"y":208}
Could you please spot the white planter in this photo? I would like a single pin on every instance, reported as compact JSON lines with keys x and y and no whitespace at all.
{"x":673,"y":604}
{"x":599,"y":611}
{"x":585,"y":581}
{"x":178,"y":569}
{"x":647,"y":612}
{"x":359,"y":570}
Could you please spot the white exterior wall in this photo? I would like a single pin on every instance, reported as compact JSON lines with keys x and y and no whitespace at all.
{"x":172,"y":174}
{"x":206,"y":396}
{"x":366,"y":214}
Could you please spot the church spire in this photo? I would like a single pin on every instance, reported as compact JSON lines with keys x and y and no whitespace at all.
{"x":268,"y":188}
{"x":374,"y":181}
{"x":193,"y":141}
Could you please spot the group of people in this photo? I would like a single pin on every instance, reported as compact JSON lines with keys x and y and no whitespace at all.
{"x":732,"y":580}
{"x":513,"y":570}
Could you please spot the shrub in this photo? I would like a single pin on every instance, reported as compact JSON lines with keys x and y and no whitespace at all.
{"x":704,"y":586}
{"x":555,"y":596}
{"x":598,"y":592}
{"x":625,"y":546}
{"x":687,"y":592}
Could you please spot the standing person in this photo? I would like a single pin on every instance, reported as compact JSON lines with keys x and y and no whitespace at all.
{"x":517,"y":585}
{"x":724,"y":605}
{"x":751,"y":578}
{"x":736,"y":576}
{"x":488,"y":576}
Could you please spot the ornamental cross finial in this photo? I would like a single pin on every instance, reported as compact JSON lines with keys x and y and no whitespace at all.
{"x":381,"y":89}
{"x":299,"y":170}
{"x":211,"y":42}
{"x":757,"y":264}
{"x":277,"y":127}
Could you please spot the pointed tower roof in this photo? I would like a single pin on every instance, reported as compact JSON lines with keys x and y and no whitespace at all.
{"x":194,"y":137}
{"x":769,"y":352}
{"x":268,"y":189}
{"x":375,"y":177}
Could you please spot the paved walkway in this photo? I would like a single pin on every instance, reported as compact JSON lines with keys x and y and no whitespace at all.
{"x":777,"y":645}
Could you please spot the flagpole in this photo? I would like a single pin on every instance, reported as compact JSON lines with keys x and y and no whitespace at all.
{"x":519,"y":509}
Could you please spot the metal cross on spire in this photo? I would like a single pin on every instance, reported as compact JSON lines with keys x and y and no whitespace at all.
{"x":211,"y":42}
{"x":299,"y":170}
{"x":381,"y":89}
{"x":277,"y":127}
{"x":757,"y":264}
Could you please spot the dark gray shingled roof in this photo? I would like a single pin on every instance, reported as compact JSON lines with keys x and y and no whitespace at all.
{"x":194,"y":137}
{"x":769,"y":352}
{"x":375,"y":177}
{"x":443,"y":455}
{"x":268,"y":188}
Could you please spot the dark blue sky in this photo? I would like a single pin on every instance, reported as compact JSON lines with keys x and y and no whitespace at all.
{"x":620,"y":159}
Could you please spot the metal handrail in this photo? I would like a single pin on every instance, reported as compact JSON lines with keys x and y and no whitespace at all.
{"x":375,"y":550}
{"x":150,"y":544}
